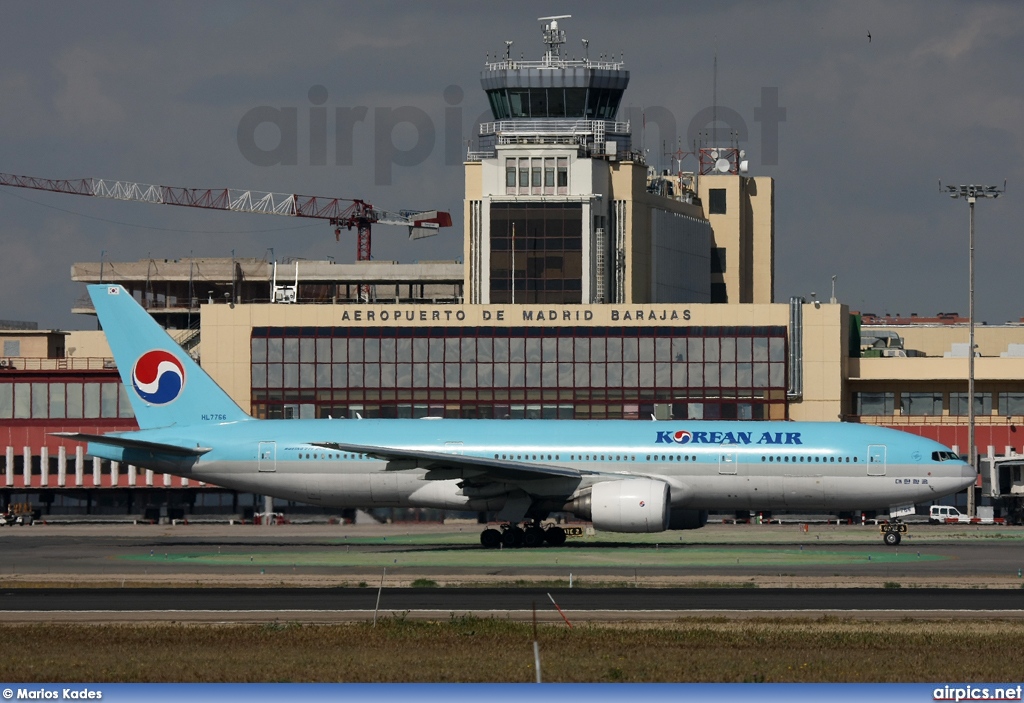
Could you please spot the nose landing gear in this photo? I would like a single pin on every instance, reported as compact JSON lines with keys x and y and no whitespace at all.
{"x":512,"y":536}
{"x":892,"y":532}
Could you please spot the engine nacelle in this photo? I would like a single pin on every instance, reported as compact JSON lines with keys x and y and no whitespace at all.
{"x":629,"y":505}
{"x":687,"y":519}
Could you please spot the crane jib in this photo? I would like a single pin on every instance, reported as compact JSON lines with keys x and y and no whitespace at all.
{"x":342,"y":212}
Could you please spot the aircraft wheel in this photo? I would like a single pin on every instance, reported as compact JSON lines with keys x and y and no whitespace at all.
{"x":892,"y":539}
{"x":513,"y":537}
{"x":555,"y":536}
{"x":490,"y":538}
{"x":533,"y":537}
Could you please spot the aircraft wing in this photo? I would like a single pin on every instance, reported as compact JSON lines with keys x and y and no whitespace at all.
{"x":128,"y":443}
{"x":444,"y":465}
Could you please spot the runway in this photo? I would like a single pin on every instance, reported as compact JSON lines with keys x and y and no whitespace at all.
{"x":332,"y":604}
{"x":332,"y":573}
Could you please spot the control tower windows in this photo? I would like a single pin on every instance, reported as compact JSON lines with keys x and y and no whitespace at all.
{"x":540,"y":103}
{"x":575,"y":102}
{"x":519,"y":103}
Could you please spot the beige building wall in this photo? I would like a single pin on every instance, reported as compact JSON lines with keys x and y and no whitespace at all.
{"x":93,"y":343}
{"x":35,"y":344}
{"x":760,"y":193}
{"x":474,"y":191}
{"x":629,"y":183}
{"x":896,"y":370}
{"x":826,"y":340}
{"x":746,"y":231}
{"x":88,"y":344}
{"x":936,"y":340}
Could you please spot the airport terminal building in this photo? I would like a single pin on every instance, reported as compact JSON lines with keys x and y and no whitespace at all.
{"x":591,"y":287}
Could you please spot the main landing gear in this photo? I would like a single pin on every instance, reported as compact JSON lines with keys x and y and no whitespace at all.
{"x":511,"y":536}
{"x":892,"y":532}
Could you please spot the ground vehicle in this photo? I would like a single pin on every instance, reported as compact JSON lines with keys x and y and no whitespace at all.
{"x":939,"y":514}
{"x":17,"y":514}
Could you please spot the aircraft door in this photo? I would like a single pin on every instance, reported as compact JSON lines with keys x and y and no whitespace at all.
{"x":267,"y":456}
{"x":727,"y":460}
{"x":876,"y":460}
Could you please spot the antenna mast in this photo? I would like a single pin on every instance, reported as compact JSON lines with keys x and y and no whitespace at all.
{"x":553,"y":37}
{"x":714,"y":101}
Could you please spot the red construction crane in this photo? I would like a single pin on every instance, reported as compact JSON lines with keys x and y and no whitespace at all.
{"x":341,"y":212}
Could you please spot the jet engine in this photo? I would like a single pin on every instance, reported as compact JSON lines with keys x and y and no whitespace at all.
{"x":629,"y":505}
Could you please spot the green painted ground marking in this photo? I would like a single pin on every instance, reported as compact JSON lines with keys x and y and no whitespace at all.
{"x":626,"y":557}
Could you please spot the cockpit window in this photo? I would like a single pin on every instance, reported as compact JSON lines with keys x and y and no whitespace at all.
{"x":945,"y":456}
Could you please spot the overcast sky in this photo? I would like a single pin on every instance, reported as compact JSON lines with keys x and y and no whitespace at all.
{"x":156,"y":93}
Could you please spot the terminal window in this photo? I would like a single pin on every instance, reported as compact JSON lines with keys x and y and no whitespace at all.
{"x":958,"y":404}
{"x":874,"y":403}
{"x":536,"y":251}
{"x":1011,"y":403}
{"x":921,"y":403}
{"x":62,"y":400}
{"x":716,"y":201}
{"x":498,"y":372}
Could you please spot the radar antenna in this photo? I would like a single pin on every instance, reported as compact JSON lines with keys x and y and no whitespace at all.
{"x":553,"y":36}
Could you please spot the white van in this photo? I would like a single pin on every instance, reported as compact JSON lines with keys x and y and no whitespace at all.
{"x":939,"y":514}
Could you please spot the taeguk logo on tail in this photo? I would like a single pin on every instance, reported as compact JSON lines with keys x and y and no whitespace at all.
{"x":158,"y":377}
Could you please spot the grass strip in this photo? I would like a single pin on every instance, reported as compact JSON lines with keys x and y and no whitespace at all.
{"x":471,"y":649}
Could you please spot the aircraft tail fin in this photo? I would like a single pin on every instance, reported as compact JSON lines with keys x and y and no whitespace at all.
{"x":164,"y":385}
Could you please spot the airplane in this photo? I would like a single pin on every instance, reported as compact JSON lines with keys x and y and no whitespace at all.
{"x":622,"y":475}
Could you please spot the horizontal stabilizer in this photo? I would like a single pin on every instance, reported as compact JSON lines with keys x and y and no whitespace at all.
{"x":128,"y":443}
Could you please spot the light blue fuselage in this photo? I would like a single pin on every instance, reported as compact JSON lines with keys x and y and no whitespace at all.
{"x":627,"y":476}
{"x":716,"y":466}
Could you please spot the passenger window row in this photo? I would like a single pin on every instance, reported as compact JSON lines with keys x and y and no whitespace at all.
{"x":810,"y":459}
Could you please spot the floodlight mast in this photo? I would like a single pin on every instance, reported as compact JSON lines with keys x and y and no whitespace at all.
{"x":971,"y":193}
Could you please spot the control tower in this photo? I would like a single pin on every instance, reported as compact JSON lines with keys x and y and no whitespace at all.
{"x":559,"y":208}
{"x":556,"y":99}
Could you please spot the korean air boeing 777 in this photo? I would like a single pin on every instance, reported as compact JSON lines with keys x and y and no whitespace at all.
{"x":624,"y":476}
